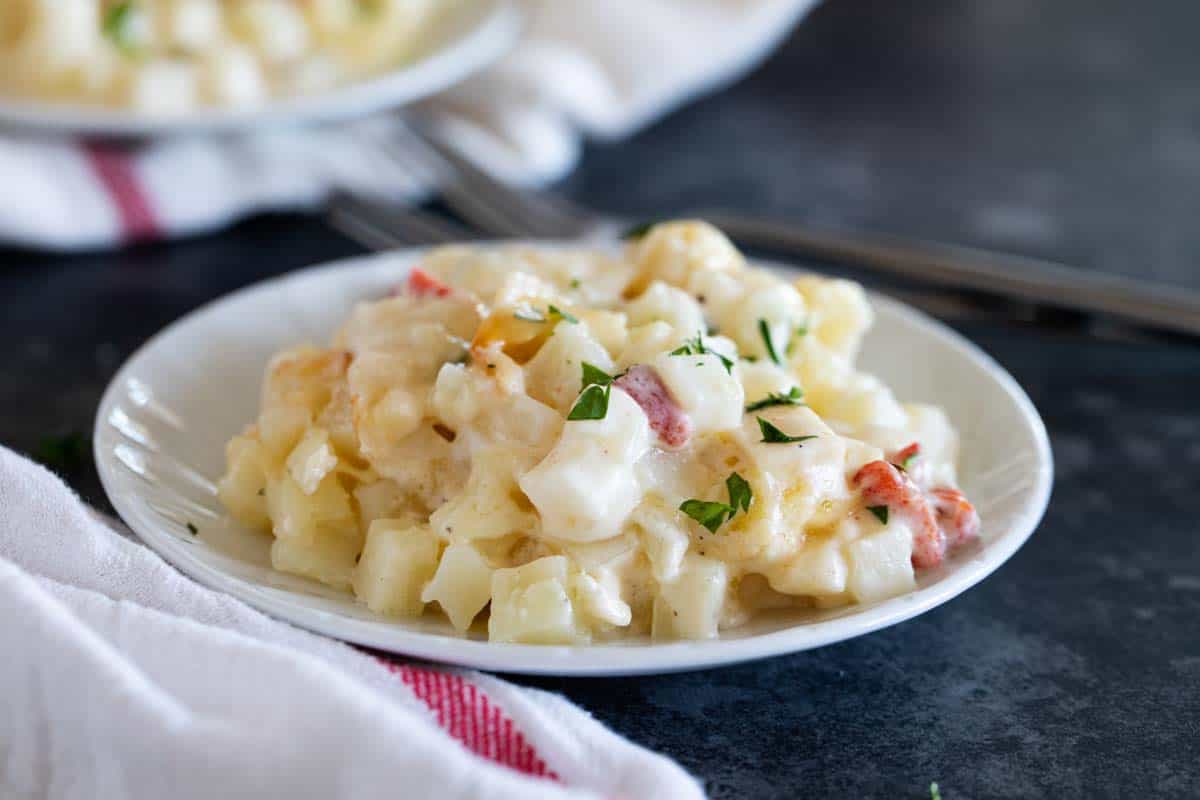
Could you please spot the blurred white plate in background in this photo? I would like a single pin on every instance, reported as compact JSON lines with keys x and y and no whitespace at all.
{"x":164,"y":420}
{"x":471,"y":36}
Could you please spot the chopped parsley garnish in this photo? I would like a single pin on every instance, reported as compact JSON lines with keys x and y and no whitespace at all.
{"x":639,"y":230}
{"x":792,"y":398}
{"x":192,"y":529}
{"x":62,"y":454}
{"x":740,"y":493}
{"x":529,"y":315}
{"x":934,"y":792}
{"x":697,"y":347}
{"x":772,"y":435}
{"x":118,"y":24}
{"x":593,"y":375}
{"x":575,"y":283}
{"x":712,"y":514}
{"x":764,"y":330}
{"x":880,"y":512}
{"x":801,"y":332}
{"x":557,"y":312}
{"x":592,"y":403}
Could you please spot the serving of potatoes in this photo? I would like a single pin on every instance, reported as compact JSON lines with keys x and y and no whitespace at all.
{"x":557,"y":446}
{"x":169,"y":57}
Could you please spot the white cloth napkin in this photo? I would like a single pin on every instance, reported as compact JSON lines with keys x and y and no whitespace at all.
{"x":582,"y":68}
{"x":121,"y":678}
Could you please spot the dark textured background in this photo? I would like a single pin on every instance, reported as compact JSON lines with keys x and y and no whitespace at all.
{"x":1068,"y":129}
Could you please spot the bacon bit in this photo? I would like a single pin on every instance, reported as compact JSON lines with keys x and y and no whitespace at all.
{"x":882,"y":484}
{"x":667,"y":419}
{"x":421,"y":284}
{"x":957,"y":516}
{"x":444,"y":432}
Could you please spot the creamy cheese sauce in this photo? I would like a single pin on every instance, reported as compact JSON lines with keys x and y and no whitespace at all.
{"x":577,"y":447}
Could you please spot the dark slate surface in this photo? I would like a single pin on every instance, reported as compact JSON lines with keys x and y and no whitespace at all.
{"x":1064,"y":129}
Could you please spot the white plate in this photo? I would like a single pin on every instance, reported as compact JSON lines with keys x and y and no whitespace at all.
{"x":472,"y":35}
{"x":163,"y":422}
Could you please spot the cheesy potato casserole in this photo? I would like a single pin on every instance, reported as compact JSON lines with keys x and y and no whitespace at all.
{"x":172,"y":56}
{"x":577,"y":446}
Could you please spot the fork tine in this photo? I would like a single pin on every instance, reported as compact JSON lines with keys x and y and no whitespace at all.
{"x":379,"y":224}
{"x":492,"y":205}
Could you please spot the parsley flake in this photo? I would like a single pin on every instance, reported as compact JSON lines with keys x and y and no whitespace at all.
{"x":592,"y":403}
{"x":772,"y":435}
{"x":710,"y":514}
{"x":118,"y":25}
{"x":800,"y":333}
{"x":557,"y":312}
{"x":764,"y":330}
{"x":575,"y":284}
{"x":792,"y":398}
{"x":593,"y":375}
{"x":880,"y":512}
{"x":740,"y":493}
{"x":697,"y":347}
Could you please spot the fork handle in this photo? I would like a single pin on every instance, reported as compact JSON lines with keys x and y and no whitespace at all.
{"x":1039,"y":281}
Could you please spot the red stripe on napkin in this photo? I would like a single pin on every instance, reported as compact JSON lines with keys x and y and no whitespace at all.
{"x":114,"y":167}
{"x":463,"y":710}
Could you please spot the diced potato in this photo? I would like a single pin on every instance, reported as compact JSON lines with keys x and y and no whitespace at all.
{"x":690,"y":606}
{"x":663,"y":537}
{"x":491,"y":505}
{"x":530,"y":604}
{"x":192,"y":25}
{"x":586,"y":486}
{"x":165,"y":87}
{"x":610,"y":328}
{"x":553,"y":376}
{"x":242,"y":489}
{"x":462,"y":585}
{"x":782,"y":310}
{"x":668,"y":304}
{"x":397,"y":562}
{"x":311,"y":460}
{"x":762,"y":378}
{"x":881,"y":564}
{"x":647,"y":341}
{"x":703,"y":387}
{"x":280,"y":429}
{"x":671,"y":251}
{"x":841,"y":313}
{"x":299,"y":515}
{"x":818,"y":569}
{"x":275,"y":28}
{"x":231,"y":76}
{"x":303,"y":377}
{"x":600,"y":600}
{"x":326,"y":558}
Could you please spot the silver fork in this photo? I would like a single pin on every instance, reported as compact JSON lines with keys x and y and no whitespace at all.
{"x":501,"y":211}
